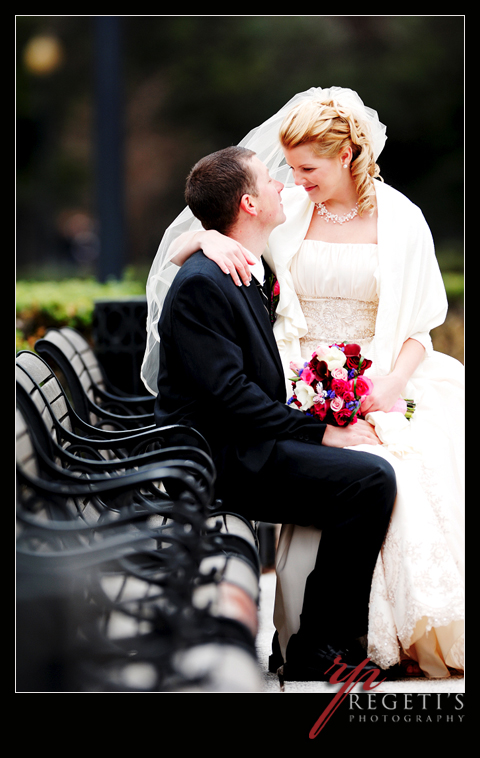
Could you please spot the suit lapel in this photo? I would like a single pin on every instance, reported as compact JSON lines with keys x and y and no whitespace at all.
{"x":255,"y":303}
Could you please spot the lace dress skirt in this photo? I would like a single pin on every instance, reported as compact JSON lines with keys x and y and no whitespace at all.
{"x":417,"y":597}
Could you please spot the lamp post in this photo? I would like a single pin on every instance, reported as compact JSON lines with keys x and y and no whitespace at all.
{"x":109,"y":146}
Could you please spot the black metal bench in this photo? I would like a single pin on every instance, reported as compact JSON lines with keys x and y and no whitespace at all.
{"x":92,"y":393}
{"x":115,"y":535}
{"x":37,"y":383}
{"x":77,"y":530}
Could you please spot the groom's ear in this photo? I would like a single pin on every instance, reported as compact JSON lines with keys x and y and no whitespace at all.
{"x":247,"y":205}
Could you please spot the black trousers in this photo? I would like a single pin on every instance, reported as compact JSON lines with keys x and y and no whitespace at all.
{"x":349,"y":495}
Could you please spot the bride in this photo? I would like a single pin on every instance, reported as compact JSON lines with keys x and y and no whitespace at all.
{"x":355,"y":262}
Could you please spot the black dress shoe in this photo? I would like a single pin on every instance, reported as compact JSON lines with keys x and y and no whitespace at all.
{"x":307,"y":662}
{"x":275,"y":660}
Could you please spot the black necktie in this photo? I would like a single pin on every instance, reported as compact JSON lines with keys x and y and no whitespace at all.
{"x":263,"y":294}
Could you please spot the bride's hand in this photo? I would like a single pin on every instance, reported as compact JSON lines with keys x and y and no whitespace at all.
{"x":385,"y":393}
{"x":229,"y":255}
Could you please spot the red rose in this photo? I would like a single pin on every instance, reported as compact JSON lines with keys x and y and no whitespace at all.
{"x":320,"y":410}
{"x":340,"y":387}
{"x":353,"y":362}
{"x":352,"y":349}
{"x":365,"y":365}
{"x":343,"y":417}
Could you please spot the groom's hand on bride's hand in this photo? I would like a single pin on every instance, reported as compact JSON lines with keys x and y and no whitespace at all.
{"x":361,"y":433}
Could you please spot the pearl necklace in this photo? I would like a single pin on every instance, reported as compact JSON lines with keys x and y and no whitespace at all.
{"x":334,"y":217}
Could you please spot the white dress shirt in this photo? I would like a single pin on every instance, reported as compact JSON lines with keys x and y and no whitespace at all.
{"x":258,"y":271}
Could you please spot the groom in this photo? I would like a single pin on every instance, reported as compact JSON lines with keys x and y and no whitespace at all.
{"x":220,"y":372}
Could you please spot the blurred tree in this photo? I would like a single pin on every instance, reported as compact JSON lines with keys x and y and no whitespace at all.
{"x":194,"y":84}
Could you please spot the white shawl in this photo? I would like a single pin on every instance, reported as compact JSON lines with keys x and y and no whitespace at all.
{"x":412,"y":298}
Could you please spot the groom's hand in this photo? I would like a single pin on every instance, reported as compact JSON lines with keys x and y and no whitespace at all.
{"x":361,"y":433}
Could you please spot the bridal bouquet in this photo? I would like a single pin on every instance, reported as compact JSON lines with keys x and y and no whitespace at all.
{"x":332,"y":384}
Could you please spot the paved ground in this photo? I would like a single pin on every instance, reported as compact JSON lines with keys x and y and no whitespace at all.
{"x":264,"y":639}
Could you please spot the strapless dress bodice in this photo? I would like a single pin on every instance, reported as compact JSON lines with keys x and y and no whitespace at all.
{"x":337,"y":286}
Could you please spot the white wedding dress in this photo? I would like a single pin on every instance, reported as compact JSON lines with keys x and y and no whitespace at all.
{"x":377,"y":295}
{"x":417,"y":596}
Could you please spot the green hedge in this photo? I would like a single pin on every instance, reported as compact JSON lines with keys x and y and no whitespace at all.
{"x":41,"y":305}
{"x":44,"y":304}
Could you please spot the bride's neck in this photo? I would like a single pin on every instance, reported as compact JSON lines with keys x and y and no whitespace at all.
{"x":343,"y":200}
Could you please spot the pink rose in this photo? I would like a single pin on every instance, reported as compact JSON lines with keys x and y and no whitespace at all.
{"x":336,"y":404}
{"x":296,"y":367}
{"x":348,"y":397}
{"x":363,"y":386}
{"x":308,"y":376}
{"x":321,"y":351}
{"x":276,"y":289}
{"x":340,"y":373}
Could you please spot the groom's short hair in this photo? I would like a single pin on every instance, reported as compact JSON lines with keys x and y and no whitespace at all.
{"x":217,"y":183}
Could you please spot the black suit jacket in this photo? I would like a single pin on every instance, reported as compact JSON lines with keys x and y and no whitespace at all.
{"x":220,"y":370}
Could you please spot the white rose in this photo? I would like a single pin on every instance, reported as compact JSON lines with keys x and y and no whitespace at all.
{"x":333,"y":356}
{"x":335,"y":359}
{"x":304,"y":394}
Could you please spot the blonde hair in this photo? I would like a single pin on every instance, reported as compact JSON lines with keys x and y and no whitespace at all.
{"x":329,"y":129}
